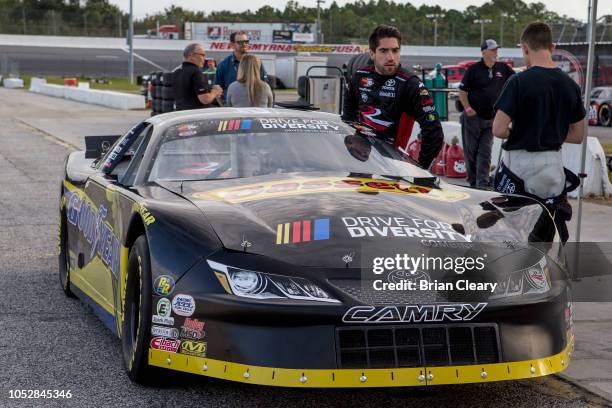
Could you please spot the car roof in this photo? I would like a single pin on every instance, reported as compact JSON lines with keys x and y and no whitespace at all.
{"x":171,"y":118}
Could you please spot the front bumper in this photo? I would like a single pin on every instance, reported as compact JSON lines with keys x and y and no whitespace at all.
{"x":297,"y":344}
{"x":354,"y":378}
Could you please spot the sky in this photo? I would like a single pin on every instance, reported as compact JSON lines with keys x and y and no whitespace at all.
{"x":574,"y":8}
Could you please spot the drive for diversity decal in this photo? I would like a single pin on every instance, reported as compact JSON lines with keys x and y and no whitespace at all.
{"x":301,"y":186}
{"x":302,"y":231}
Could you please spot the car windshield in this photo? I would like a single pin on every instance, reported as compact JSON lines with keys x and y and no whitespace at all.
{"x":220,"y":149}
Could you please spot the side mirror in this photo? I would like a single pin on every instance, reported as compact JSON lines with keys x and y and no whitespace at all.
{"x":96,"y":146}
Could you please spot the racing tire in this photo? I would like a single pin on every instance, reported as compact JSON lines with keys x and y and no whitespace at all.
{"x":136,"y":321}
{"x":166,"y":79}
{"x":604,"y":115}
{"x":64,"y":257}
{"x":167,"y":93}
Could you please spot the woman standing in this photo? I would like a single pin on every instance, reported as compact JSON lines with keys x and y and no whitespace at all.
{"x":249,"y":89}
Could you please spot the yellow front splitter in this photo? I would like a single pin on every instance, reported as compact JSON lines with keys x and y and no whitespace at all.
{"x":365,"y":378}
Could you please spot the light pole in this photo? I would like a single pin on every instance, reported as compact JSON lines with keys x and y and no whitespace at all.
{"x":131,"y":44}
{"x":319,"y":20}
{"x":502,"y":15}
{"x":482,"y":23}
{"x":435,"y":18}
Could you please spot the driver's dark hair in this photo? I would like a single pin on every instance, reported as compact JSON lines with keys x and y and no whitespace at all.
{"x":383,"y":31}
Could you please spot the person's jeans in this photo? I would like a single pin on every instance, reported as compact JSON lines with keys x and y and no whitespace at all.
{"x":477,"y":145}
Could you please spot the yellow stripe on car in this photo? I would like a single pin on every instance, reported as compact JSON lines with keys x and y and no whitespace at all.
{"x":362,"y":378}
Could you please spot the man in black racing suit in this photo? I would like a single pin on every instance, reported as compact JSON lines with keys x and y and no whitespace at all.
{"x":389,"y":99}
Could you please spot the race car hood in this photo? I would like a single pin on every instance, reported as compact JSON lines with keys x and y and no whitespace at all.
{"x":318,"y":221}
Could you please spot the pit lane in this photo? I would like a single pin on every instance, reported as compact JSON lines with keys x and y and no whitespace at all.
{"x":52,"y":342}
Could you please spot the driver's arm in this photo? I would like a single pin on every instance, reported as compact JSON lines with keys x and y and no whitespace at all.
{"x":350,"y":106}
{"x":420,"y":105}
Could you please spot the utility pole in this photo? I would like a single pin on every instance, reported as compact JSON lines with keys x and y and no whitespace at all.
{"x":502,"y":15}
{"x":23,"y":19}
{"x":131,"y":43}
{"x":587,"y":102}
{"x":482,"y":23}
{"x":319,"y":2}
{"x":435,"y":18}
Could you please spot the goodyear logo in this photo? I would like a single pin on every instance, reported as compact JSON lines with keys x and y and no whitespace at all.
{"x":234,"y":124}
{"x":302,"y":231}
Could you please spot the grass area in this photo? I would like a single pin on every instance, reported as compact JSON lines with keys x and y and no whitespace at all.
{"x":106,"y":84}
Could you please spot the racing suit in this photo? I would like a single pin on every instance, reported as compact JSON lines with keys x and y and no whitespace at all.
{"x":390,"y":105}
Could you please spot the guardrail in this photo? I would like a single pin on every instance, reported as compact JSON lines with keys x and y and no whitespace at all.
{"x":111,"y":99}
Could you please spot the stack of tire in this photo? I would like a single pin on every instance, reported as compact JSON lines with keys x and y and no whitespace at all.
{"x":162,"y":92}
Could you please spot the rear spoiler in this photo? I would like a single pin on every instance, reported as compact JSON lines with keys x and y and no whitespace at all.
{"x":96,"y":146}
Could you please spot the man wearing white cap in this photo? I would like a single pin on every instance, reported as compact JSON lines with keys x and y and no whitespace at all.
{"x":480,"y":87}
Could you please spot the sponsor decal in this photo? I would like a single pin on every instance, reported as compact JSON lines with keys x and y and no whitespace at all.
{"x":193,"y":348}
{"x":430,"y":118}
{"x":183,"y":305}
{"x":390,"y":82}
{"x":299,"y":124}
{"x":366,"y":82}
{"x":302,"y":231}
{"x":459,"y":166}
{"x":498,"y":74}
{"x":96,"y":231}
{"x":168,"y":332}
{"x":291,"y":48}
{"x":146,"y":215}
{"x":192,"y":329}
{"x":159,"y":343}
{"x":386,"y":94}
{"x":163,"y":285}
{"x":505,"y":185}
{"x":428,"y":109}
{"x":454,"y":312}
{"x":234,"y":124}
{"x":364,"y":97}
{"x":402,"y":227}
{"x":296,"y":187}
{"x":187,"y":130}
{"x":157,"y":319}
{"x":164,"y":309}
{"x":370,"y":117}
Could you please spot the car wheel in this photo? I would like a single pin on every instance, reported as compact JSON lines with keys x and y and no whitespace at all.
{"x":605,"y":115}
{"x":64,"y":256}
{"x":136,"y":322}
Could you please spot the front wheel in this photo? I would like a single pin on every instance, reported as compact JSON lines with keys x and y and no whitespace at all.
{"x":605,"y":115}
{"x":64,"y":256}
{"x":136,"y":320}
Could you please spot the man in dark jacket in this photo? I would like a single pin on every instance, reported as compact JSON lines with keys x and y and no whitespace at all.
{"x":191,"y":88}
{"x":389,"y":99}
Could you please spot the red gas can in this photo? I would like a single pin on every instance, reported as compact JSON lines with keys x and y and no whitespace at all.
{"x":439,"y":166}
{"x":455,"y":161}
{"x":414,"y":148}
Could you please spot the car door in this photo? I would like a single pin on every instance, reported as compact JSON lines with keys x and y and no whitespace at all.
{"x":102,"y":213}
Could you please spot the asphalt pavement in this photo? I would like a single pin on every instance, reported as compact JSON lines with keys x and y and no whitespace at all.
{"x":50,"y":342}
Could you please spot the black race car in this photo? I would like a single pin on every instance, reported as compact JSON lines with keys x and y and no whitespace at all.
{"x":286,"y":248}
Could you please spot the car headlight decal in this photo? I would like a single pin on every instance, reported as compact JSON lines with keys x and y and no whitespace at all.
{"x":532,"y":280}
{"x":258,"y":285}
